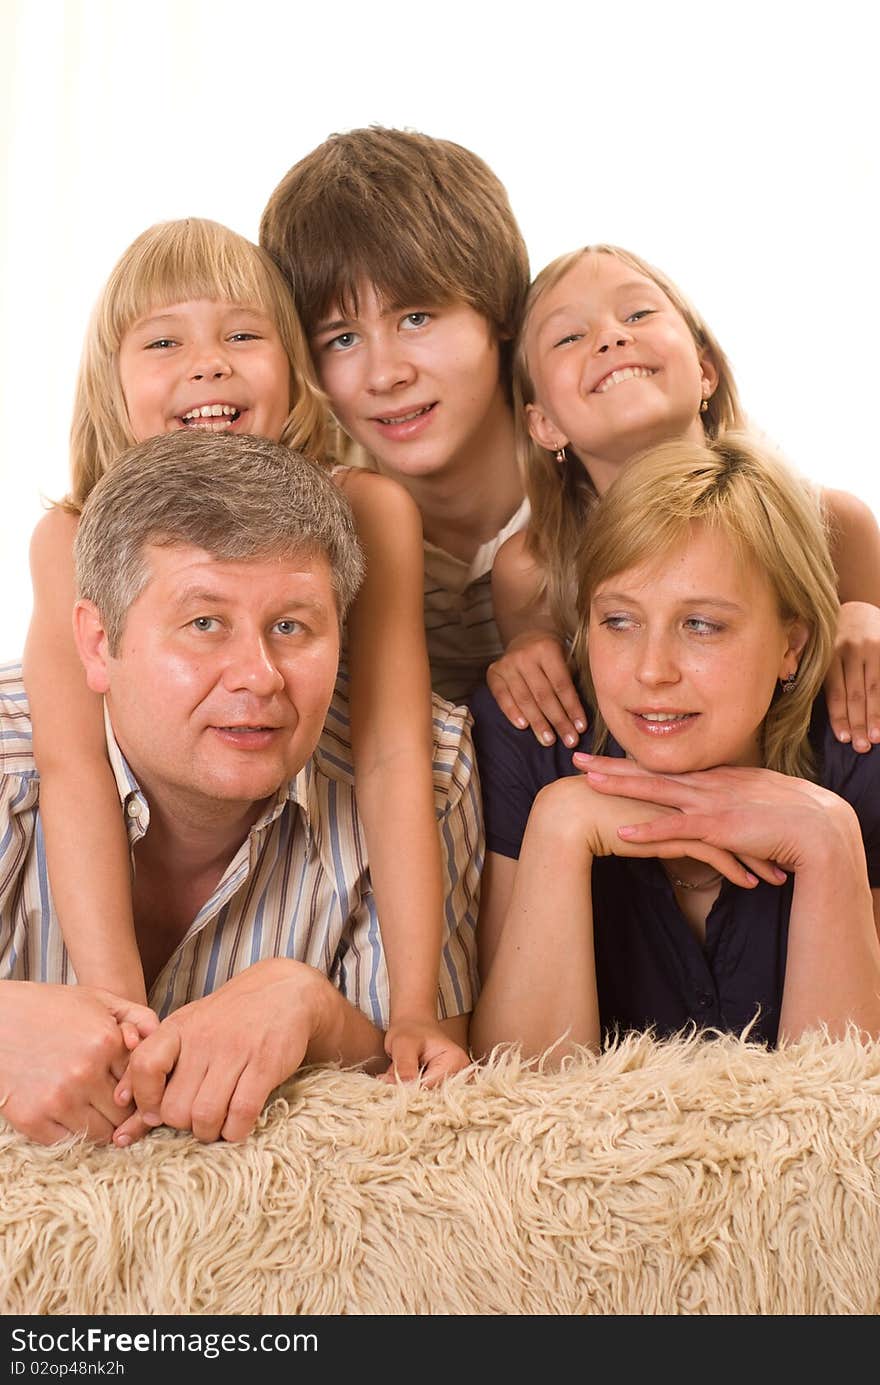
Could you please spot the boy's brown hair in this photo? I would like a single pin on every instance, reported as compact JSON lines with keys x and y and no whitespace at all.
{"x":422,"y":220}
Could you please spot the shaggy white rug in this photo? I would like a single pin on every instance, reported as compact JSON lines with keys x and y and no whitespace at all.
{"x":658,"y":1178}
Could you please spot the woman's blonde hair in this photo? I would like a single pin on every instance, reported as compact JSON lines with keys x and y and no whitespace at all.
{"x":561,"y":497}
{"x":176,"y":262}
{"x":738,"y":490}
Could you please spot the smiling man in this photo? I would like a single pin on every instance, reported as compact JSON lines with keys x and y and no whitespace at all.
{"x":214,"y":574}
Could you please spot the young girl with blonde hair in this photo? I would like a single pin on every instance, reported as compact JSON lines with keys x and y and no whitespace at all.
{"x":612,"y":359}
{"x":195,"y":328}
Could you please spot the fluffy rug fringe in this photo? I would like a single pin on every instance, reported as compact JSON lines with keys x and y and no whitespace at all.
{"x":682,"y":1177}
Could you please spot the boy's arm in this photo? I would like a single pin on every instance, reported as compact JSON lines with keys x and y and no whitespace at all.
{"x":852,"y":686}
{"x":390,"y":706}
{"x":86,"y":845}
{"x":531,"y":682}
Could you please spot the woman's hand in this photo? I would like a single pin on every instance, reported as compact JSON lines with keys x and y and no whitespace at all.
{"x":533,"y":687}
{"x":852,"y":685}
{"x":772,"y":822}
{"x":584,"y":820}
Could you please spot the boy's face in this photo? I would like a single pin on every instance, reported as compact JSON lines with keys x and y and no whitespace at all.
{"x":418,"y":386}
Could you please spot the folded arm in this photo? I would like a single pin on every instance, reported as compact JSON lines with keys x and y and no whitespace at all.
{"x":833,"y":963}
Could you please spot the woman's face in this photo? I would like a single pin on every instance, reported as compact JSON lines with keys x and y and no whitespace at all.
{"x":685,"y":655}
{"x":614,"y":365}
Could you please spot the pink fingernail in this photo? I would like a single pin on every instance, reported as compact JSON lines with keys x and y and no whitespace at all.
{"x":580,"y":726}
{"x":596,"y":774}
{"x":122,"y":1141}
{"x":843,"y":736}
{"x":752,"y":879}
{"x":622,"y":831}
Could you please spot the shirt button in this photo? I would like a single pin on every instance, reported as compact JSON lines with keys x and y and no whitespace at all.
{"x":704,"y":1000}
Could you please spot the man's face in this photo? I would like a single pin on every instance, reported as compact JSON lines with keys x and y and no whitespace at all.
{"x":221,"y":683}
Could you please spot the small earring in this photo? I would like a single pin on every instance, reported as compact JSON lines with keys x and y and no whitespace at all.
{"x":788,"y":684}
{"x":704,"y":406}
{"x":560,"y":456}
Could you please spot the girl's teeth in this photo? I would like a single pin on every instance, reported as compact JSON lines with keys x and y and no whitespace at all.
{"x":212,"y":411}
{"x":665,"y":716}
{"x":405,"y":418}
{"x":638,"y":372}
{"x":211,"y":418}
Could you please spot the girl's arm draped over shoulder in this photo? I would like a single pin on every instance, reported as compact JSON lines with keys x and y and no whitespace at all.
{"x":852,"y":687}
{"x":86,"y":844}
{"x":393,"y":750}
{"x":531,"y":682}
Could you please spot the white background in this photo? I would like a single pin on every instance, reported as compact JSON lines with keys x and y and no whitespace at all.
{"x":734,"y":146}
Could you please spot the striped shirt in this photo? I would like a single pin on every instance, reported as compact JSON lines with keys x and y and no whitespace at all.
{"x":298,"y":886}
{"x":460,"y":627}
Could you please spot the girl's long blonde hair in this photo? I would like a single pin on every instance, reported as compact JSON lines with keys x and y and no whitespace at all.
{"x":561,"y":497}
{"x":176,"y":262}
{"x":734,"y":486}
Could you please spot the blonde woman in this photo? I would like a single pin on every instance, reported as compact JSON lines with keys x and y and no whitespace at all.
{"x":718,"y":862}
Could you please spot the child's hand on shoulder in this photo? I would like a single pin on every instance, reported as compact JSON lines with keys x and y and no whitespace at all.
{"x":532,"y":685}
{"x":421,"y":1048}
{"x":852,"y":685}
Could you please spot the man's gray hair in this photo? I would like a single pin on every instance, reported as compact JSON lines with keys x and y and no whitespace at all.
{"x":235,"y":496}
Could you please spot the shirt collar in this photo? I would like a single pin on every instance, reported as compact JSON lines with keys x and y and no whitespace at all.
{"x":299,"y":790}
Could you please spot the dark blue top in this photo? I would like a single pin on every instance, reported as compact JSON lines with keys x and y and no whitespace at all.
{"x":651,"y":970}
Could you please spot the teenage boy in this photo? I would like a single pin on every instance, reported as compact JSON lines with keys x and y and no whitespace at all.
{"x":410,"y":273}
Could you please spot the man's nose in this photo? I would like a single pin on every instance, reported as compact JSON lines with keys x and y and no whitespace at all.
{"x":250,"y":667}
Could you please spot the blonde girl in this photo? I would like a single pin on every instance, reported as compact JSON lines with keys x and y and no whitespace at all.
{"x":612,"y":359}
{"x":195,"y":328}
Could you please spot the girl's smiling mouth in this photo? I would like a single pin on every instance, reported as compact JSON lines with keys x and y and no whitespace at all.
{"x":211,"y":418}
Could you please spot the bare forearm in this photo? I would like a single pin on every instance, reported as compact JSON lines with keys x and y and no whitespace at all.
{"x":832,"y":973}
{"x":340,"y":1033}
{"x":855,"y":546}
{"x":396,"y":804}
{"x":88,"y":863}
{"x":541,"y":985}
